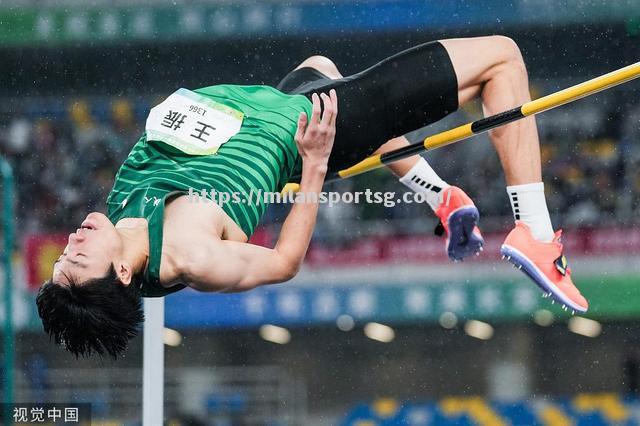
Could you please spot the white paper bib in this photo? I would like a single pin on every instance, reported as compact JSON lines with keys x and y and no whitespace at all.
{"x":192,"y":123}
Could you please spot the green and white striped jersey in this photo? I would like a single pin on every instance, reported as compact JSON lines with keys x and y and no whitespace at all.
{"x":227,"y":139}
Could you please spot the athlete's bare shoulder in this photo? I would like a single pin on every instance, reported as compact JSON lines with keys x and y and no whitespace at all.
{"x":188,"y":224}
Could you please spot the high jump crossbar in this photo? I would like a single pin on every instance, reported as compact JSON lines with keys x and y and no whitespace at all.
{"x":467,"y":130}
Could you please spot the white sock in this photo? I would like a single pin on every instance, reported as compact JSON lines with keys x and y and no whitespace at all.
{"x":422,"y":178}
{"x":529,"y":206}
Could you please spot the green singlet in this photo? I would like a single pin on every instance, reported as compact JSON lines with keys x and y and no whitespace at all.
{"x":227,"y":139}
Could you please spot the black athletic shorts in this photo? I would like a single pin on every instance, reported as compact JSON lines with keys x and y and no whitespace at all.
{"x":400,"y":94}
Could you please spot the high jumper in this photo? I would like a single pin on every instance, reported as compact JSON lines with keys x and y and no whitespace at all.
{"x":240,"y":139}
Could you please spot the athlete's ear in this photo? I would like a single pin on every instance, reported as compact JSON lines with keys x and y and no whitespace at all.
{"x":124,"y":272}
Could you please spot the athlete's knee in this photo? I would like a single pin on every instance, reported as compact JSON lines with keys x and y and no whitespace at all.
{"x":323,"y":64}
{"x":510,"y":53}
{"x":509,"y":62}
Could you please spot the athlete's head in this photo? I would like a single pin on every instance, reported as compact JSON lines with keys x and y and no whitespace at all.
{"x":91,"y":303}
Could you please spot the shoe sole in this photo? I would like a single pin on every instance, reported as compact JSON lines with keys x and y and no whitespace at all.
{"x":517,"y":258}
{"x":462,"y":241}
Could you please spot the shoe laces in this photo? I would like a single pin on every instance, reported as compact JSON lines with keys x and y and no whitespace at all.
{"x":557,"y":238}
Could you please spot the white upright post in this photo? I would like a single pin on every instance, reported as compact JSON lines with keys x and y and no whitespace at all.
{"x":153,"y":363}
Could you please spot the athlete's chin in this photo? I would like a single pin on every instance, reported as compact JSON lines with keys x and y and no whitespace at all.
{"x":96,"y":221}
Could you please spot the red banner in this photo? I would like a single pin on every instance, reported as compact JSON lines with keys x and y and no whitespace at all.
{"x":40,"y":251}
{"x":429,"y":248}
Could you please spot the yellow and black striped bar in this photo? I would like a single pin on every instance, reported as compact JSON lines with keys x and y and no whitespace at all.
{"x":465,"y":131}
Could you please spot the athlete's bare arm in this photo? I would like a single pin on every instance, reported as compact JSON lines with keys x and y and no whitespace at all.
{"x":222,"y":265}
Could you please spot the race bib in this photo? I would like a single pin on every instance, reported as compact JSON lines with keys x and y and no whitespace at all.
{"x":192,"y":123}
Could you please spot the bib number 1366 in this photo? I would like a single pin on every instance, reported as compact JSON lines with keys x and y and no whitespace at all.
{"x":192,"y":123}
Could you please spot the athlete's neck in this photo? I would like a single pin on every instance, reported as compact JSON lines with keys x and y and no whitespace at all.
{"x":134,"y":233}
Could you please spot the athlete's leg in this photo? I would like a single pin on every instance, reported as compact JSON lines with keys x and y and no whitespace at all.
{"x":422,"y":85}
{"x":493,"y":68}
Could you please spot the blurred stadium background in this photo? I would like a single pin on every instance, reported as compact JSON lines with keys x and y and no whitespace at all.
{"x":379,"y":328}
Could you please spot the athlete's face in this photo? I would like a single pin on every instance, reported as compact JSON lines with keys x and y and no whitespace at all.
{"x":90,"y":251}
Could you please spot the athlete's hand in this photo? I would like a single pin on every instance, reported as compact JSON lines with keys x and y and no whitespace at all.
{"x":315,"y":137}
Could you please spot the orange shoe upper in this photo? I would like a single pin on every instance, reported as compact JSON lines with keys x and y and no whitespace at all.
{"x":548,"y":257}
{"x":452,"y":198}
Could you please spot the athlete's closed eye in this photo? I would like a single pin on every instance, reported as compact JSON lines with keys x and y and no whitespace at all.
{"x":73,"y":262}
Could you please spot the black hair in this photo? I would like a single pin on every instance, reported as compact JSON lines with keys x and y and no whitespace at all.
{"x":98,"y":316}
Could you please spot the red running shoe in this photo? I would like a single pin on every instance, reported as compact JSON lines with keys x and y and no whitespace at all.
{"x":458,"y":220}
{"x":545,"y":264}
